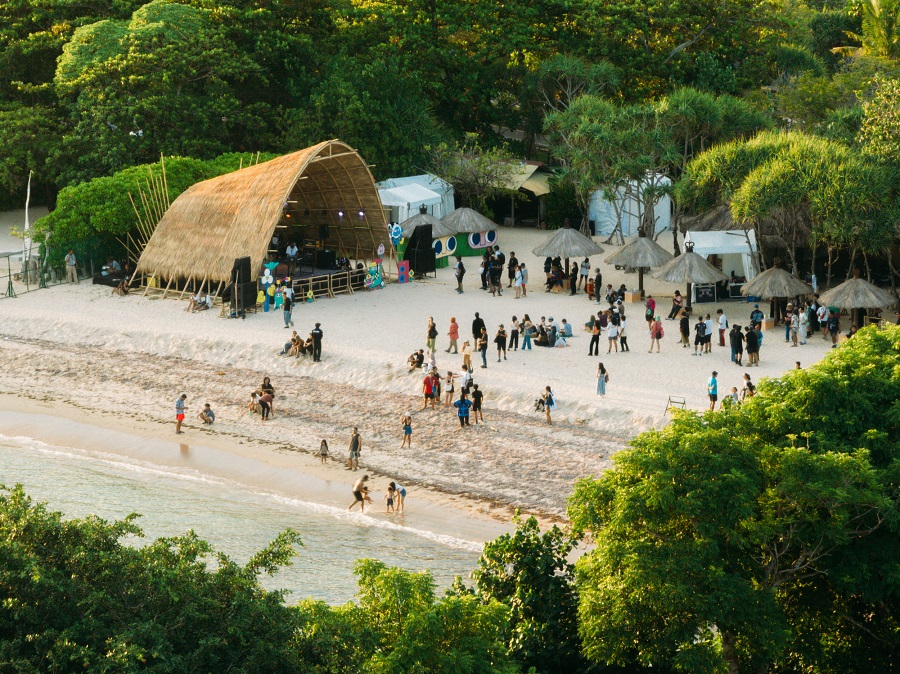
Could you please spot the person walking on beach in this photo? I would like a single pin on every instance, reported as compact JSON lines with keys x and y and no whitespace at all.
{"x":462,"y":409}
{"x":656,"y":334}
{"x":514,"y":334}
{"x":602,"y":379}
{"x":323,"y":451}
{"x":359,"y":493}
{"x":431,"y":335}
{"x":179,"y":412}
{"x":453,"y":334}
{"x":650,"y":311}
{"x":71,"y":267}
{"x":712,"y":388}
{"x":500,"y":341}
{"x":594,"y":346}
{"x":684,"y":327}
{"x":477,"y":399}
{"x":549,"y":404}
{"x":699,"y":335}
{"x":355,"y":450}
{"x":287,"y":307}
{"x":482,"y":347}
{"x":317,"y":335}
{"x":460,"y":271}
{"x":623,"y":334}
{"x":677,"y":303}
{"x":477,"y":327}
{"x":406,"y":422}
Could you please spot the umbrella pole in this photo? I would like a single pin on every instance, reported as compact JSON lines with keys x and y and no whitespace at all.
{"x":688,"y":297}
{"x":641,"y":281}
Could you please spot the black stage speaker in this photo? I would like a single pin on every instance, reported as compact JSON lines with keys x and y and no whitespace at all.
{"x":420,"y":251}
{"x":323,"y":232}
{"x":325,"y":259}
{"x":240,"y":272}
{"x":246,"y":295}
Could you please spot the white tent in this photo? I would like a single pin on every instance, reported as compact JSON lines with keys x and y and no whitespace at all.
{"x":430,"y":182}
{"x":603,"y":213}
{"x":737,"y":248}
{"x":407,"y":199}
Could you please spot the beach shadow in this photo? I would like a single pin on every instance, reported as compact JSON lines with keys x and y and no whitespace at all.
{"x":185,"y":450}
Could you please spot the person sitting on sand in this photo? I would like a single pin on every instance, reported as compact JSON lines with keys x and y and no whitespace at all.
{"x":121,"y":290}
{"x":207,"y":416}
{"x":204,"y":303}
{"x":286,"y":349}
{"x":297,"y":347}
{"x":415,"y":360}
{"x":566,"y":329}
{"x":193,"y":303}
{"x":542,"y":338}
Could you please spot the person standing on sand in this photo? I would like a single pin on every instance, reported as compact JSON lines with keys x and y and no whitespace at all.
{"x":482,"y":347}
{"x":467,"y":355}
{"x":287,"y":306}
{"x":477,"y":398}
{"x":453,"y":334}
{"x":514,"y":334}
{"x":431,"y":335}
{"x":500,"y":341}
{"x":623,"y":335}
{"x":71,"y":267}
{"x":355,"y":450}
{"x":512,"y":267}
{"x":598,"y":284}
{"x":684,"y":327}
{"x":359,"y":493}
{"x":594,"y":346}
{"x":460,"y":271}
{"x":462,"y":409}
{"x":317,"y":335}
{"x":323,"y":451}
{"x":400,"y":496}
{"x":612,"y":332}
{"x":477,"y":327}
{"x":602,"y":379}
{"x":524,"y":271}
{"x":712,"y":387}
{"x":549,"y":404}
{"x":449,"y":388}
{"x":573,"y":279}
{"x":527,"y":332}
{"x":406,"y":422}
{"x":265,"y":401}
{"x":179,"y":412}
{"x":656,"y":334}
{"x":583,"y":273}
{"x":427,"y":391}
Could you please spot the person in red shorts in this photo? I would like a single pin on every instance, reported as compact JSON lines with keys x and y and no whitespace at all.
{"x":179,"y":412}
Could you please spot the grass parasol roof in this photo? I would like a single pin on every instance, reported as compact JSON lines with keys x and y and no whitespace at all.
{"x":467,"y":220}
{"x":689,"y":267}
{"x":857,"y":293}
{"x":776,"y":282}
{"x":567,"y":242}
{"x":438,"y":228}
{"x":235,"y":215}
{"x":642,"y":252}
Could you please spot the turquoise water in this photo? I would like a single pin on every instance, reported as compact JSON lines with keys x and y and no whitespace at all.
{"x":237,"y":519}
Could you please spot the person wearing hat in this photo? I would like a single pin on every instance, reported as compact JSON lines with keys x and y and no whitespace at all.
{"x":712,"y":387}
{"x":756,"y":316}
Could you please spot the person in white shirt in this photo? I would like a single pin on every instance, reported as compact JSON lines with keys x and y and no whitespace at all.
{"x":707,"y":339}
{"x":723,"y":326}
{"x":71,"y":267}
{"x":291,"y":250}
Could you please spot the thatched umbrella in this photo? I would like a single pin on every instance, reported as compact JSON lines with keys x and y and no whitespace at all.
{"x":689,"y":267}
{"x":467,"y":220}
{"x":857,"y":293}
{"x":774,"y":283}
{"x":567,"y":242}
{"x":438,"y":228}
{"x":640,"y":253}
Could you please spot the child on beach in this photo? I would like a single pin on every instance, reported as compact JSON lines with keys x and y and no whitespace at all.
{"x":323,"y":451}
{"x":207,"y":416}
{"x":406,"y":422}
{"x":253,"y":406}
{"x":389,"y":501}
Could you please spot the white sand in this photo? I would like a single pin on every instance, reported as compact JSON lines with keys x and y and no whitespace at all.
{"x":133,"y":356}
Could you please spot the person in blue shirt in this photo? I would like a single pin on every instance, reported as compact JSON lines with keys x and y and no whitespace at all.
{"x":712,"y":388}
{"x":756,"y":316}
{"x":207,"y":416}
{"x":462,"y":409}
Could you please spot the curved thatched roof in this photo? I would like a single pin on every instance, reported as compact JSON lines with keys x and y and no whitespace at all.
{"x":776,"y":282}
{"x":857,"y":293}
{"x":235,"y":215}
{"x":467,"y":220}
{"x":689,"y":267}
{"x":642,"y":252}
{"x":438,"y":228}
{"x":567,"y":242}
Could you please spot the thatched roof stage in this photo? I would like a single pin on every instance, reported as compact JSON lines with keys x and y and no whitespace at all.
{"x":858,"y":293}
{"x":438,"y":229}
{"x":235,"y":215}
{"x":567,"y":242}
{"x":642,"y":252}
{"x":775,"y":282}
{"x":468,"y":221}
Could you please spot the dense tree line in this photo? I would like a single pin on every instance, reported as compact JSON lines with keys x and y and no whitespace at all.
{"x":762,"y":537}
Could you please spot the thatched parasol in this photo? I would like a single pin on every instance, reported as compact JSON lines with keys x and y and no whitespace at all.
{"x":776,"y":282}
{"x":857,"y":293}
{"x":438,"y":228}
{"x":689,"y":267}
{"x":640,"y":253}
{"x":468,"y":221}
{"x":567,"y":242}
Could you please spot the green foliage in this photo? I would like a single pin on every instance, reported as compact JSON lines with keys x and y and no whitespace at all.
{"x":880,"y":131}
{"x":75,"y":598}
{"x":529,"y":572}
{"x":828,"y":30}
{"x":880,"y":28}
{"x":793,"y":60}
{"x":761,"y":535}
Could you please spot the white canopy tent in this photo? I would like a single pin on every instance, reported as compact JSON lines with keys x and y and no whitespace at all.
{"x":431,"y":183}
{"x":407,"y":199}
{"x":737,"y":248}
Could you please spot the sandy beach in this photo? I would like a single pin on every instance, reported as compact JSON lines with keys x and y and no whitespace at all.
{"x":77,"y":351}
